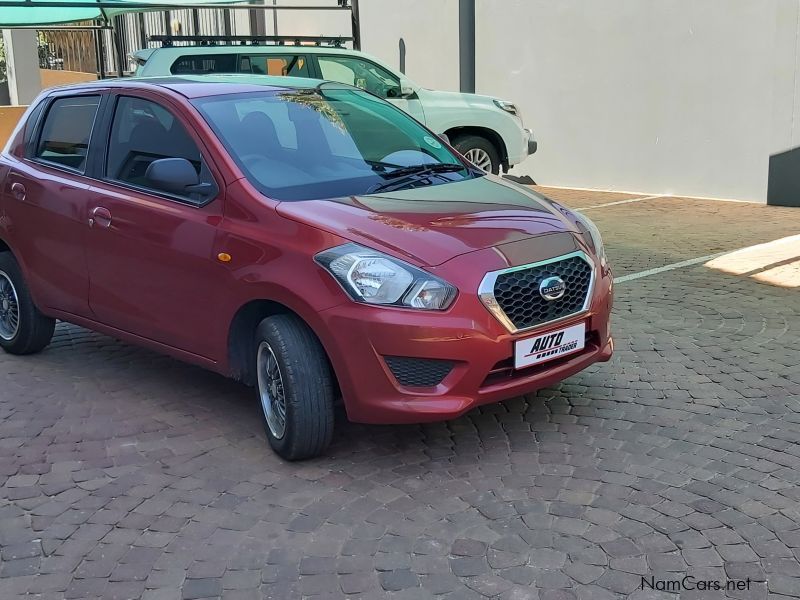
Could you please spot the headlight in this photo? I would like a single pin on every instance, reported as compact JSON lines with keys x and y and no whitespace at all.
{"x":372,"y":277}
{"x":590,"y":230}
{"x":509,"y":107}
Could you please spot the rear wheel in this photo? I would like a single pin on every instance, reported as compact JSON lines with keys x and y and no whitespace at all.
{"x":479,"y":151}
{"x":295,"y":387}
{"x":23,"y":329}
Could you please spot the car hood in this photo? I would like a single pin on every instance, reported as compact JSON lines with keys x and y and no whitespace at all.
{"x":431,"y":225}
{"x":458,"y":99}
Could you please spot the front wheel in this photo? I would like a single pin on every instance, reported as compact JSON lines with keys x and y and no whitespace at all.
{"x":479,"y":151}
{"x":23,"y":329}
{"x":295,"y":387}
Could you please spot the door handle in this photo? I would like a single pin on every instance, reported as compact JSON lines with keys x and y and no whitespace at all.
{"x":18,"y":191}
{"x":101,"y":217}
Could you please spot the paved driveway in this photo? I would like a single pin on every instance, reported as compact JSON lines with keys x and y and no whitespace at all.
{"x":126,"y":474}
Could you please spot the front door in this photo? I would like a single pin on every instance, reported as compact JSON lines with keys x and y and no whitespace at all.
{"x":46,"y":204}
{"x":354,"y":70}
{"x":152,"y":266}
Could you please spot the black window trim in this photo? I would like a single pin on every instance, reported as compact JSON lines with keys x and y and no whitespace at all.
{"x":33,"y":144}
{"x":102,"y":159}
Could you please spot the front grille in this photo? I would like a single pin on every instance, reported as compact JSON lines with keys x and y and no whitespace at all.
{"x":517,"y":292}
{"x":418,"y":372}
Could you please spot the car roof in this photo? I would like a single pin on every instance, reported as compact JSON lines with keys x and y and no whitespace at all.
{"x":198,"y":86}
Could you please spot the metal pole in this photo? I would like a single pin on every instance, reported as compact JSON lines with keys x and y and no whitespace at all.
{"x":402,"y":56}
{"x":226,"y":21}
{"x":119,"y":53}
{"x":142,"y":30}
{"x":466,"y":45}
{"x":101,"y":52}
{"x":356,"y":24}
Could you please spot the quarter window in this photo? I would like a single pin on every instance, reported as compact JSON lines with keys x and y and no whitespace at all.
{"x":142,"y":132}
{"x":67,"y":128}
{"x":272,"y":64}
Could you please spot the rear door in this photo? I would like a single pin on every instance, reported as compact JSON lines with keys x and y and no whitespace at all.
{"x":152,"y":264}
{"x":47,"y":196}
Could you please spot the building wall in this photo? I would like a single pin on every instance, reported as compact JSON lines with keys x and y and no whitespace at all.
{"x":51,"y":77}
{"x":659,"y":96}
{"x":430,"y":32}
{"x":9,"y":117}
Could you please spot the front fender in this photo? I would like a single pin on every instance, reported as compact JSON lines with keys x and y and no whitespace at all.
{"x":445,"y":111}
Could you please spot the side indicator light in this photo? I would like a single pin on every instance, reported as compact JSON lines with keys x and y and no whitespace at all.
{"x":224,"y":257}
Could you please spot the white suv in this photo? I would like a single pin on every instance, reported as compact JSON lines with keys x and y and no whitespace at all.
{"x":486,"y":130}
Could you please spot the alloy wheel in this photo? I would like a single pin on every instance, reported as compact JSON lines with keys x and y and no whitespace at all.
{"x":9,"y":308}
{"x":271,"y":391}
{"x":480,"y":158}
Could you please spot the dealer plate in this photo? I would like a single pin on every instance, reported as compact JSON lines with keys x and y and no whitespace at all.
{"x":548,"y":346}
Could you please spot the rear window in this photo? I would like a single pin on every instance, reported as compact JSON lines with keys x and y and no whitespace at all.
{"x":67,"y":128}
{"x":202,"y":64}
{"x":259,"y":64}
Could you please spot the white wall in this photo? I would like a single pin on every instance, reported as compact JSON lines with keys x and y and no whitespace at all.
{"x":22,"y":65}
{"x":429,"y":28}
{"x":661,"y":96}
{"x":430,"y":31}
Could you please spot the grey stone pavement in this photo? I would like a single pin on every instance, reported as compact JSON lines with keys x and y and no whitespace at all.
{"x":125,"y":474}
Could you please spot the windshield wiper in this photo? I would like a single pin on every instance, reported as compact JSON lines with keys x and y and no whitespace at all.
{"x":425,"y":169}
{"x":380,"y":165}
{"x":400,"y":178}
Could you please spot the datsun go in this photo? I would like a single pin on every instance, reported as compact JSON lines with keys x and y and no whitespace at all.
{"x":306,"y":238}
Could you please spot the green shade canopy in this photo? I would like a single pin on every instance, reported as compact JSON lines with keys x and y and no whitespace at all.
{"x":26,"y":13}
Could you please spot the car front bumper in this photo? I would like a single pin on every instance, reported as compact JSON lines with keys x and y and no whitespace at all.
{"x":359,"y":338}
{"x":533,"y":145}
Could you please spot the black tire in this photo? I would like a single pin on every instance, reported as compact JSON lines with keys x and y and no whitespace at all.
{"x":307,"y":384}
{"x":34,"y":330}
{"x":467,"y":142}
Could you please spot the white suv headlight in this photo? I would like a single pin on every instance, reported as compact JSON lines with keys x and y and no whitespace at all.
{"x":588,"y":227}
{"x":509,"y":107}
{"x":373,"y":277}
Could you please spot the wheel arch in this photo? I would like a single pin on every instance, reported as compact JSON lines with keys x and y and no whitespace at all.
{"x":485,"y":132}
{"x":240,"y":337}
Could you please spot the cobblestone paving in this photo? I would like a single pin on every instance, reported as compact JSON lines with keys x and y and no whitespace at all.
{"x":129,"y":475}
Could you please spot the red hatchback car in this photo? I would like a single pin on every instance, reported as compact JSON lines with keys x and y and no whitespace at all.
{"x":304,"y":237}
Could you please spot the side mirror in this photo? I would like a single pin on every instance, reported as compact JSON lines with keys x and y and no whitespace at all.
{"x":173,"y":175}
{"x":407,"y":88}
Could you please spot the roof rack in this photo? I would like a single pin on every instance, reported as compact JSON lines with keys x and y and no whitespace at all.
{"x":253,"y":40}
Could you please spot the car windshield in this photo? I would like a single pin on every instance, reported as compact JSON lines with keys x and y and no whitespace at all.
{"x":327,"y":143}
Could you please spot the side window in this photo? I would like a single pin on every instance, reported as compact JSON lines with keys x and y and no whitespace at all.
{"x":202,"y":64}
{"x":274,"y":64}
{"x":67,"y":128}
{"x":360,"y":73}
{"x":142,"y":132}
